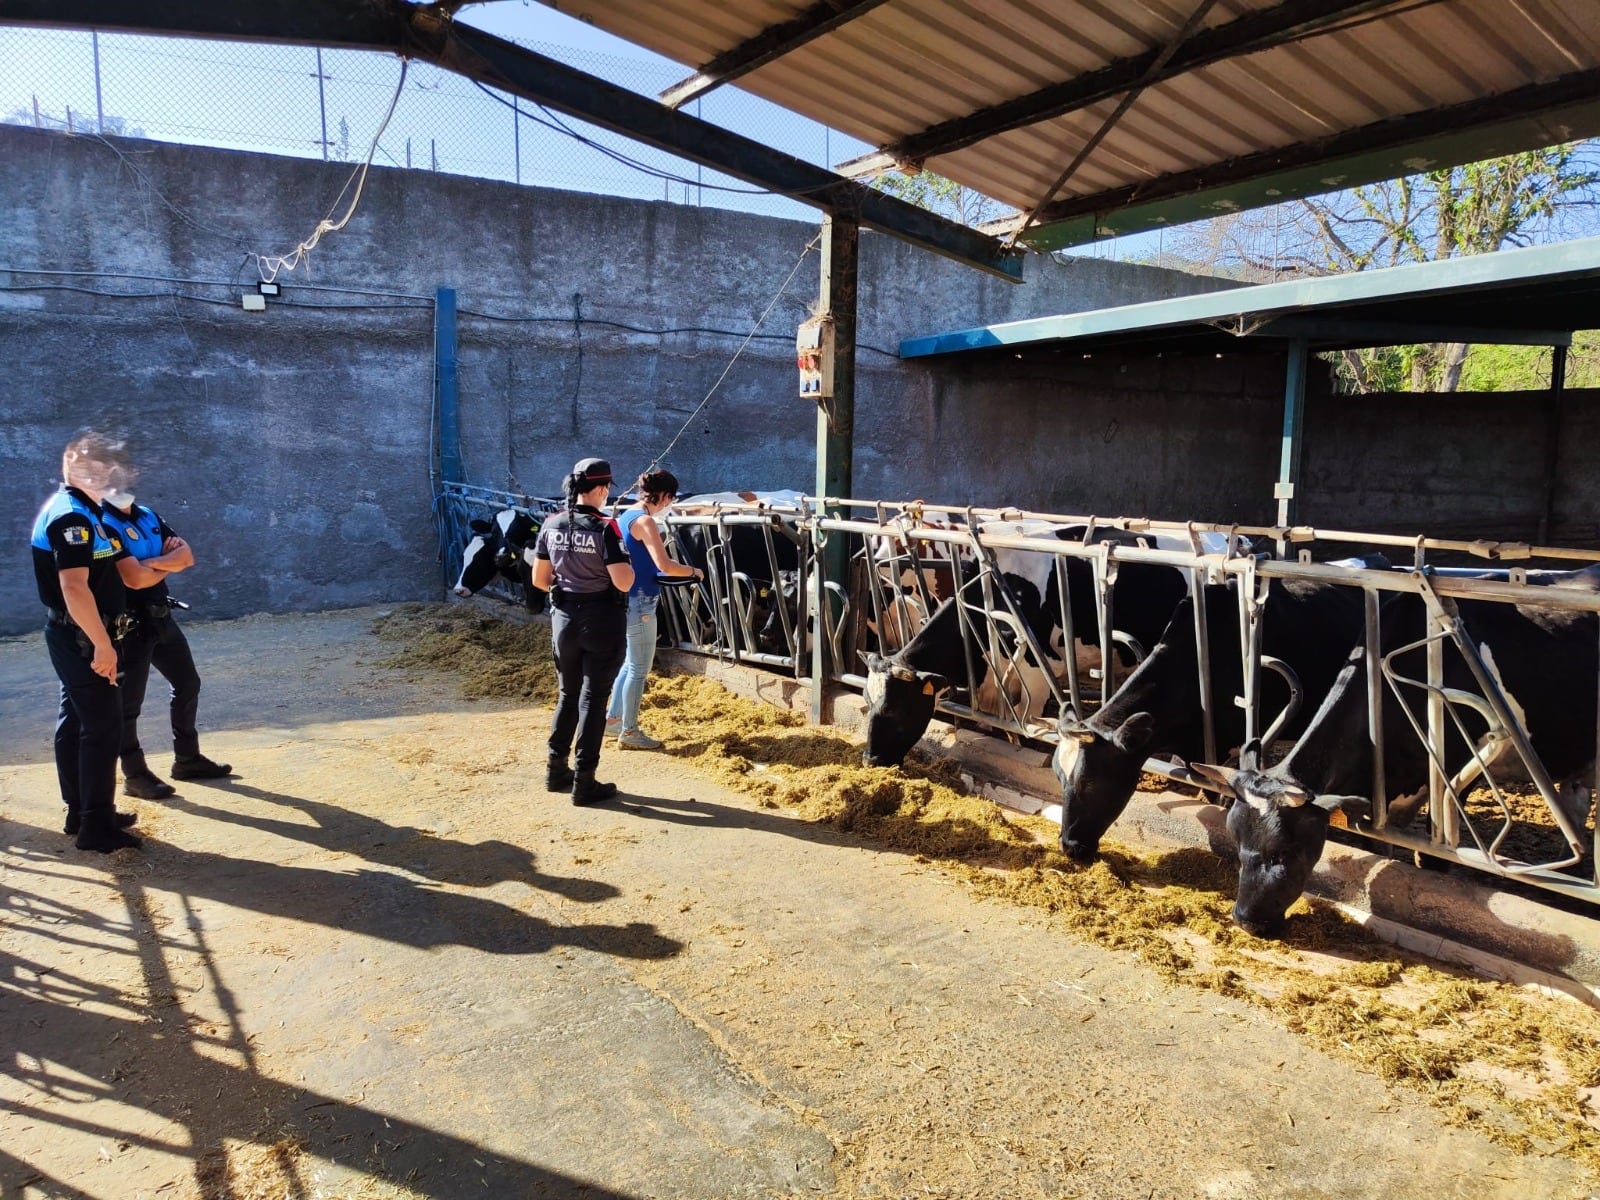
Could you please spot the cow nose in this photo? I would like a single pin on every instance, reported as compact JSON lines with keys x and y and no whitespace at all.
{"x":1269,"y":927}
{"x":461,"y":591}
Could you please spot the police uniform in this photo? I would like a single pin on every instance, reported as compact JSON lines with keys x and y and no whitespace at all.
{"x":588,"y":629}
{"x":70,"y":533}
{"x":157,"y":640}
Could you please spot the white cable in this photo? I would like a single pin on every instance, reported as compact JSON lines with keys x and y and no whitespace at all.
{"x":798,"y":263}
{"x":270,"y":265}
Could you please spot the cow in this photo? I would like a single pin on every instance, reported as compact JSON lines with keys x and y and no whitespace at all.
{"x":1544,"y":661}
{"x":1158,"y":711}
{"x":903,"y":689}
{"x":498,"y":549}
{"x":744,"y":576}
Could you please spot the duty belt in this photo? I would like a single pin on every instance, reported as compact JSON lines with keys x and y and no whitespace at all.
{"x":118,"y":625}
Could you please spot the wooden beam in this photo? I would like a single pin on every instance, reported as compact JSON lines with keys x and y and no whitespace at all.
{"x":1289,"y":21}
{"x":770,"y":44}
{"x":429,"y":34}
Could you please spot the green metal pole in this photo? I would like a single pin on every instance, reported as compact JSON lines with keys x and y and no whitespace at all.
{"x":1294,"y":416}
{"x":836,"y":417}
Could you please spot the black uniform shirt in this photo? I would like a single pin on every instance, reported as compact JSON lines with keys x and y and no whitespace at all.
{"x":580,"y":545}
{"x":68,"y":533}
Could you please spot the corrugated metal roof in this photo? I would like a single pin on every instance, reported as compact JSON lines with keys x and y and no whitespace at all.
{"x":1359,"y":87}
{"x":1538,"y":295}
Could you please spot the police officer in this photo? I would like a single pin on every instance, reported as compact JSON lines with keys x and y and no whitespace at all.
{"x":578,"y":558}
{"x":81,"y":567}
{"x":156,"y":639}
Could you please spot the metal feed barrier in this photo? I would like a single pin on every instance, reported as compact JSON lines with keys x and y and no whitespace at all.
{"x":455,"y":508}
{"x":904,"y":560}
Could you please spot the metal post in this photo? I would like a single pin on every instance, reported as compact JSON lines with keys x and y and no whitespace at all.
{"x":408,"y":153}
{"x":836,"y":418}
{"x":99,"y":98}
{"x":1552,"y":438}
{"x":322,"y":105}
{"x":1294,"y":414}
{"x":516,"y":135}
{"x":444,"y":384}
{"x":433,"y":153}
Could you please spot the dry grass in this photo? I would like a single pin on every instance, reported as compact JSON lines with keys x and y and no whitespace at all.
{"x":1508,"y":1062}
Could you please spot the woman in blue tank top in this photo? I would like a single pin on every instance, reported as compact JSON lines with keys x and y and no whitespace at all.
{"x":641,"y":537}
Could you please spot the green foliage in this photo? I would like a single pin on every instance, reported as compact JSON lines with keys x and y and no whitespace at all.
{"x":940,"y":195}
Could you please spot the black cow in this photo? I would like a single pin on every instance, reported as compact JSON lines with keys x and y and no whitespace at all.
{"x":1157,"y":711}
{"x":498,"y":549}
{"x":903,"y":689}
{"x":740,"y":569}
{"x":1545,"y":662}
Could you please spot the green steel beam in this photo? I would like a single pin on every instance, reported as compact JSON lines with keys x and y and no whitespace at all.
{"x":1244,"y":310}
{"x":429,"y":33}
{"x":1565,"y":110}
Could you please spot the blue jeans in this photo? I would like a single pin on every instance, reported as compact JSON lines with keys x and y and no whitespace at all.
{"x":629,"y":690}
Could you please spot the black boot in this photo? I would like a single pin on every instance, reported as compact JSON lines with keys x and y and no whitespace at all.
{"x":142,"y":782}
{"x":585,"y":789}
{"x":75,"y":821}
{"x":98,"y":831}
{"x":198,"y":766}
{"x":557,"y":775}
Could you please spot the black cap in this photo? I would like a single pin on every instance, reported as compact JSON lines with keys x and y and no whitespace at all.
{"x":593,"y":471}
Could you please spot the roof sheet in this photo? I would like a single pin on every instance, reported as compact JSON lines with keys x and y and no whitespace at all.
{"x":1538,"y":295}
{"x":1352,"y":95}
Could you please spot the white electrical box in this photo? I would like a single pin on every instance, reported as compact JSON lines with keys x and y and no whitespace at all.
{"x":253,"y":302}
{"x":813,"y":345}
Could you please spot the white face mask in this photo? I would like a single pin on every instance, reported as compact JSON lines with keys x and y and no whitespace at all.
{"x":122,"y":500}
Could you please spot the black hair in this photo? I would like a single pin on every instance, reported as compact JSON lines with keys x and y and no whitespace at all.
{"x":653,"y":485}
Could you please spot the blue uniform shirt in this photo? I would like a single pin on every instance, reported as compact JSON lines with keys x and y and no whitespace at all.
{"x":143,"y":533}
{"x":69,"y":532}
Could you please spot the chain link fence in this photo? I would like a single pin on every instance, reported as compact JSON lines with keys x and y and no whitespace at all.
{"x":316,"y":103}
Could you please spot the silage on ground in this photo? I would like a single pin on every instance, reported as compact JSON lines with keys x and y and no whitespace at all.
{"x":1456,"y":1038}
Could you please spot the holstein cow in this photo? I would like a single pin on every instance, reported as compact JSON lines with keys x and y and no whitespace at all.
{"x":1158,"y":712}
{"x":737,"y":555}
{"x":1544,"y":661}
{"x":902,"y":690}
{"x":497,"y":548}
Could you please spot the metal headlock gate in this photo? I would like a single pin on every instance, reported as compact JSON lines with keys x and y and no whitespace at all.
{"x":904,"y":560}
{"x":455,"y":508}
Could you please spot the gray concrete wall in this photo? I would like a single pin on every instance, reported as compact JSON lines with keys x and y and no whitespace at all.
{"x":293,"y":446}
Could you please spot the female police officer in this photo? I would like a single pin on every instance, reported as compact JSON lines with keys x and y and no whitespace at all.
{"x":578,"y":558}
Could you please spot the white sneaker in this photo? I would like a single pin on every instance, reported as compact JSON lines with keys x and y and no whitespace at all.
{"x":638,"y":739}
{"x":613,"y":726}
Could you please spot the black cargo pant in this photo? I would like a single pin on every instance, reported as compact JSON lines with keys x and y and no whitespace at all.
{"x":590,"y":639}
{"x":88,"y":726}
{"x":159,"y":643}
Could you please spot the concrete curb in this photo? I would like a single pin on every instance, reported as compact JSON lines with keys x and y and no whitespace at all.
{"x":1452,"y":917}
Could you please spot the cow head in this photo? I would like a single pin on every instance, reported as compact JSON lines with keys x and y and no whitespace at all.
{"x":480,"y":560}
{"x":1098,"y":768}
{"x":1280,"y":828}
{"x":899,"y":706}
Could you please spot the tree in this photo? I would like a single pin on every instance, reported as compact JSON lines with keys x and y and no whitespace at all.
{"x":943,"y":196}
{"x":1517,"y":200}
{"x":71,"y":121}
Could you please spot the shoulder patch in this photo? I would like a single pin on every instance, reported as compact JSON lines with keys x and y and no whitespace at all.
{"x":76,"y":535}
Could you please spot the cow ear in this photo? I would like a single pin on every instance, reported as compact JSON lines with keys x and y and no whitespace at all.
{"x":1292,"y":795}
{"x":874,"y":662}
{"x":1358,"y":807}
{"x":479,"y":525}
{"x":1224,"y":778}
{"x":1134,"y":734}
{"x":932,"y":682}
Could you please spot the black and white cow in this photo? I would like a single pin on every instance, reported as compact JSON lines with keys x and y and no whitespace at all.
{"x":498,"y":550}
{"x":1544,"y":661}
{"x":903,"y":689}
{"x":746,"y":574}
{"x":1157,"y":711}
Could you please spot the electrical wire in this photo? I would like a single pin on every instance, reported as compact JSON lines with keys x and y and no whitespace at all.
{"x":271,"y":265}
{"x":810,"y":246}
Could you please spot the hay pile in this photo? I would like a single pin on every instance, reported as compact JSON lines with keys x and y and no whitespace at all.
{"x":489,"y":658}
{"x":1521,"y":1068}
